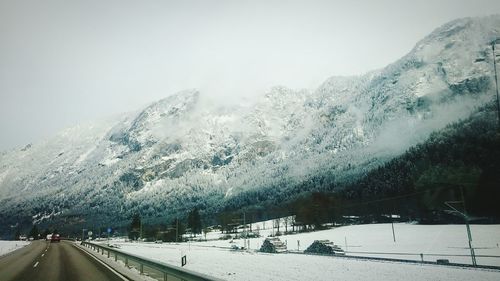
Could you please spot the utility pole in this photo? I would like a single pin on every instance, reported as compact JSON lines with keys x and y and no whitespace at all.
{"x":493,"y":43}
{"x":392,"y":223}
{"x":466,"y":218}
{"x":245,"y":230}
{"x":393,"y":234}
{"x":140,"y":234}
{"x":176,"y":229}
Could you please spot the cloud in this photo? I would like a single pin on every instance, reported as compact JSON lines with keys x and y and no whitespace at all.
{"x":68,"y":62}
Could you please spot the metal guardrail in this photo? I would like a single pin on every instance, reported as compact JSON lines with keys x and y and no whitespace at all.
{"x":491,"y":267}
{"x":169,"y":272}
{"x":143,"y":265}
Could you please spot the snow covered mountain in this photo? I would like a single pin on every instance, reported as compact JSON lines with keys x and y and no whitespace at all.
{"x":183,"y":151}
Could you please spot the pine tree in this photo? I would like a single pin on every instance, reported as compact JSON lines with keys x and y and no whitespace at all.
{"x":135,"y":227}
{"x":34,"y":232}
{"x":194,"y":221}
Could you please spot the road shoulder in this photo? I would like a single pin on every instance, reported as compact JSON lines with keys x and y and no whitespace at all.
{"x":120,"y":268}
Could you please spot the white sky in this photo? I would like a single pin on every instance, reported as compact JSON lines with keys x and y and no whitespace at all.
{"x":65,"y":62}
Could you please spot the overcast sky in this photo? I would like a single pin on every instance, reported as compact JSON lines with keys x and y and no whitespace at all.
{"x":66,"y":62}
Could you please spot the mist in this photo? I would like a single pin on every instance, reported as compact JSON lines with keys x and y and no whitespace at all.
{"x":63,"y":63}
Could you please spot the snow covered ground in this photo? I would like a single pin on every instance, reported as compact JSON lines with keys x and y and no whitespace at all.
{"x":9,"y":246}
{"x":216,"y":259}
{"x":433,"y":241}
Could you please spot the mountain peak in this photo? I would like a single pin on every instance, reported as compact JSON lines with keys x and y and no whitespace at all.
{"x":171,"y":150}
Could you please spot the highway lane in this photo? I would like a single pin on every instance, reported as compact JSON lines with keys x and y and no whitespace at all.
{"x":12,"y":264}
{"x":53,"y":261}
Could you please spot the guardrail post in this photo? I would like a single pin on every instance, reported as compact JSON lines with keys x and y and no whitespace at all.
{"x":126,"y":261}
{"x":108,"y":254}
{"x":116,"y":257}
{"x":165,"y":276}
{"x":141,"y":266}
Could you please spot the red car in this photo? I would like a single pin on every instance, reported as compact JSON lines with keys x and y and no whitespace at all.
{"x":55,"y":238}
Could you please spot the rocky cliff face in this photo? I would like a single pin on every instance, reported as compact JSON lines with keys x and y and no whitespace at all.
{"x":180,"y":152}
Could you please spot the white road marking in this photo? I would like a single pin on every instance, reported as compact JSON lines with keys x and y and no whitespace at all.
{"x":36,"y":264}
{"x":43,"y":255}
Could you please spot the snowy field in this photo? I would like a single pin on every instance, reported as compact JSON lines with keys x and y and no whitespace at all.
{"x":9,"y":246}
{"x":215,"y":258}
{"x":433,"y":241}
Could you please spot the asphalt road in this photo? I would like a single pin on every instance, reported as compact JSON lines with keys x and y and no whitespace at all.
{"x":53,"y":261}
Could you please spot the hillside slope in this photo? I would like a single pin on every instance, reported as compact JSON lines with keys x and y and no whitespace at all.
{"x":182,"y":151}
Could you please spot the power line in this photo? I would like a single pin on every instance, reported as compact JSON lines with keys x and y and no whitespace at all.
{"x":385,"y":199}
{"x":408,"y":194}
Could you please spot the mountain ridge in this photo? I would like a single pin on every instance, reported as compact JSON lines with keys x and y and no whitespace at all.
{"x":177,"y":153}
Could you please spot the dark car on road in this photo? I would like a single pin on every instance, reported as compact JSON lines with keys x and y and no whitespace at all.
{"x":55,"y":238}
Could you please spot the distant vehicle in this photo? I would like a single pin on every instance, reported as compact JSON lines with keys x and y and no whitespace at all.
{"x":55,"y":238}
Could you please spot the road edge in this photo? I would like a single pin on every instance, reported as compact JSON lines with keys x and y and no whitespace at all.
{"x":18,"y":249}
{"x":115,"y":267}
